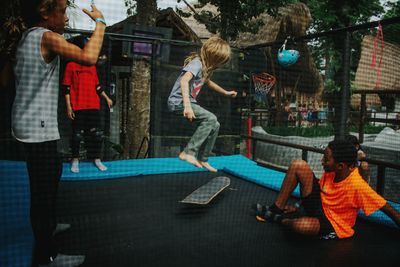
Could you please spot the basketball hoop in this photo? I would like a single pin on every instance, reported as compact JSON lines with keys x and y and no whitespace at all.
{"x":263,"y":82}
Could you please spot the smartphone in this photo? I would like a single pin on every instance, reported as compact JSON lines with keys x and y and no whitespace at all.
{"x":86,"y":4}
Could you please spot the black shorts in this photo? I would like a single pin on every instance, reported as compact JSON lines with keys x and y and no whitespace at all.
{"x":313,"y":207}
{"x":86,"y":119}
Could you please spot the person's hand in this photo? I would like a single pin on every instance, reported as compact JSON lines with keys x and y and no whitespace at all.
{"x":189,"y":114}
{"x":361,"y":155}
{"x":70,"y":113}
{"x":231,"y":93}
{"x":109,"y":103}
{"x":94,"y":13}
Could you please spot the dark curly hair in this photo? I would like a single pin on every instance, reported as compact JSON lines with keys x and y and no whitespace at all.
{"x":12,"y":28}
{"x":343,"y":151}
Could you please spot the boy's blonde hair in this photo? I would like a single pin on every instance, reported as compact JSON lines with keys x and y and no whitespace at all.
{"x":214,"y":53}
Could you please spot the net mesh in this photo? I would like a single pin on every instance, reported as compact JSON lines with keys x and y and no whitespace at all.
{"x":138,"y":66}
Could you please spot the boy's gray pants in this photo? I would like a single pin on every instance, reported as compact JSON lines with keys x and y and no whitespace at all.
{"x":202,"y":142}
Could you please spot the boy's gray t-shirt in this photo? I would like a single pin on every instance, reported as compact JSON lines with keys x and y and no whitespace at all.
{"x":195,"y":84}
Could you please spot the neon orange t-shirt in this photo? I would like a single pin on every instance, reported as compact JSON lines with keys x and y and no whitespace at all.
{"x":341,"y":201}
{"x":82,"y":81}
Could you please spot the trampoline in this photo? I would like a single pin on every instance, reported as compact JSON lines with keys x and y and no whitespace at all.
{"x":131,"y":216}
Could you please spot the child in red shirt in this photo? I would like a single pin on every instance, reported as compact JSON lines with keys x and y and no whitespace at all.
{"x":82,"y":96}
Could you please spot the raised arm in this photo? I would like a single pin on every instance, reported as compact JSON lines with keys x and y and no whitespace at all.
{"x":220,"y":90}
{"x":54,"y":43}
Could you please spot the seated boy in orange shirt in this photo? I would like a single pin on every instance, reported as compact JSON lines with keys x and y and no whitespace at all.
{"x":331,"y":204}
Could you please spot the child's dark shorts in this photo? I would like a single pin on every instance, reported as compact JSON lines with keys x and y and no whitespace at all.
{"x":313,"y":207}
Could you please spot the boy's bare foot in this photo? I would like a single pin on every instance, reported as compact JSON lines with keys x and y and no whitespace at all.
{"x":206,"y":165}
{"x":190,"y":159}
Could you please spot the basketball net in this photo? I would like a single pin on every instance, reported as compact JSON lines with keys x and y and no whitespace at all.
{"x":263,"y":82}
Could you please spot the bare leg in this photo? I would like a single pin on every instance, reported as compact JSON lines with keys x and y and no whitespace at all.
{"x":190,"y":159}
{"x":206,"y":165}
{"x":299,"y":172}
{"x":303,"y":225}
{"x":364,"y":171}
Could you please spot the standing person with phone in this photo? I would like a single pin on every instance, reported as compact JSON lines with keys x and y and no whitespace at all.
{"x":36,"y":61}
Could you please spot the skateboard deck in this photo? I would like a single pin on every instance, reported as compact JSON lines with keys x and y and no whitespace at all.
{"x":205,"y":193}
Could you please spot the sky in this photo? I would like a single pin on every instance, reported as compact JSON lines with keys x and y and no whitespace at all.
{"x":113,"y":11}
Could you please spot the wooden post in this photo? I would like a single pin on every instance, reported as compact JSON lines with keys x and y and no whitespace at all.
{"x":363,"y":108}
{"x":380,"y":184}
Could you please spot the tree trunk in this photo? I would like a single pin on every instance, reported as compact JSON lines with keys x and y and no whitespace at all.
{"x":140,"y":87}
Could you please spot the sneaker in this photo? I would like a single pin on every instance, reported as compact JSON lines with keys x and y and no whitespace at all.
{"x":62,"y":260}
{"x":61,"y":227}
{"x":329,"y":236}
{"x":263,"y":214}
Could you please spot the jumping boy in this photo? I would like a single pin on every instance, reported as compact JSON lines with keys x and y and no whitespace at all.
{"x":198,"y":70}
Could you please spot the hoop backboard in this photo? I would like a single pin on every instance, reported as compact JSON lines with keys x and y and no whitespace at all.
{"x":146,"y":38}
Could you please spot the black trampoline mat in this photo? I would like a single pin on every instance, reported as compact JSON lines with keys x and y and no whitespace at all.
{"x":139,"y":221}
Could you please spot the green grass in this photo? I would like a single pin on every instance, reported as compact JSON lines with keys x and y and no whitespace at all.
{"x":368,"y":129}
{"x":317,"y":131}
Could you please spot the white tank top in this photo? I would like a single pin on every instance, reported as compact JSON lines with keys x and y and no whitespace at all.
{"x":34,"y":112}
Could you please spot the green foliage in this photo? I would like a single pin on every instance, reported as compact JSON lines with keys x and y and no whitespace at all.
{"x":393,"y":10}
{"x":316,"y":131}
{"x":392,"y":32}
{"x":330,"y":86}
{"x":331,"y":14}
{"x":130,"y":7}
{"x":368,"y":129}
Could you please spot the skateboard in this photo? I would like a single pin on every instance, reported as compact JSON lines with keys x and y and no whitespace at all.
{"x":205,"y":193}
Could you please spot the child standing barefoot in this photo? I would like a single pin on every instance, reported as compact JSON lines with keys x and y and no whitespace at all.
{"x":198,"y":69}
{"x":82,"y":97}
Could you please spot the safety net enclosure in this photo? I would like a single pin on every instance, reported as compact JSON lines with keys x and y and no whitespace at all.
{"x":125,"y":147}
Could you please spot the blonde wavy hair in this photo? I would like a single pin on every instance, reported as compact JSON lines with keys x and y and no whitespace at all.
{"x":214,"y":53}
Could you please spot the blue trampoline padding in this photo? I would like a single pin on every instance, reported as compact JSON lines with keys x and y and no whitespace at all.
{"x":127,"y":168}
{"x":16,"y":236}
{"x":237,"y":165}
{"x":380,"y":217}
{"x":244,"y":168}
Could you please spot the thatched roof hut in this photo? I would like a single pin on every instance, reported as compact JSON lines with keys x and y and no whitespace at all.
{"x":293,"y":20}
{"x":367,"y":76}
{"x":199,"y":28}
